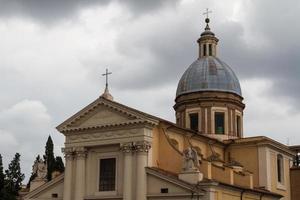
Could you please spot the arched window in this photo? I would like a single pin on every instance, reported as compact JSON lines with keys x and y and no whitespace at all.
{"x":280,"y":168}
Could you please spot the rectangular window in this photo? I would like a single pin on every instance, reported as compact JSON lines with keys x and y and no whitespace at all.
{"x":164,"y":190}
{"x":194,"y":121}
{"x":280,"y":168}
{"x":238,"y":126}
{"x":204,"y":49}
{"x":210,"y":49}
{"x":219,"y":123}
{"x":107,"y":179}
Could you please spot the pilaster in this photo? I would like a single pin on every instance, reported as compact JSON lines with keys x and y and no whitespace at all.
{"x":142,"y":149}
{"x":127,"y":150}
{"x":69,"y":156}
{"x":80,"y":155}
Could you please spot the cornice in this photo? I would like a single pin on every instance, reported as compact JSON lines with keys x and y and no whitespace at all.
{"x":130,"y":123}
{"x":261,"y":141}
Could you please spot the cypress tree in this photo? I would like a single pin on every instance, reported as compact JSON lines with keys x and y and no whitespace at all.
{"x":49,"y":157}
{"x":14,"y":176}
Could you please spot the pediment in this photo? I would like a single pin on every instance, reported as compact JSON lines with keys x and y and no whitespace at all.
{"x":104,"y":113}
{"x":101,"y":116}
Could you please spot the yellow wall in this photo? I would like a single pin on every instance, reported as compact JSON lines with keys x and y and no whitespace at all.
{"x":169,"y":158}
{"x":226,"y":194}
{"x":248,"y":157}
{"x":155,"y":147}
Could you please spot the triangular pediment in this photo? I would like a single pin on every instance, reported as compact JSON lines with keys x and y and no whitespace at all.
{"x":100,"y":116}
{"x":104,"y":113}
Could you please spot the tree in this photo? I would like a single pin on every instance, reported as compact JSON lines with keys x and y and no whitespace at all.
{"x":14,"y":176}
{"x":49,"y":157}
{"x":59,"y":165}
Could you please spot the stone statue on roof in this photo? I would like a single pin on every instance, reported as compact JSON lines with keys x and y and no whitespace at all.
{"x":190,"y":160}
{"x":40,"y":169}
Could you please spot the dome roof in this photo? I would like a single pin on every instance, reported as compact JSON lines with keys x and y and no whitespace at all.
{"x":208,"y":73}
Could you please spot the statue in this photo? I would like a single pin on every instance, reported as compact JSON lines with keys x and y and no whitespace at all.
{"x":190,"y":160}
{"x":190,"y":171}
{"x":40,"y":169}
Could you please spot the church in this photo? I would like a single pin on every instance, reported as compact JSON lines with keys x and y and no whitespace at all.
{"x":116,"y":152}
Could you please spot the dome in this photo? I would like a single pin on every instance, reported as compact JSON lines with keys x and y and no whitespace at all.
{"x":208,"y":73}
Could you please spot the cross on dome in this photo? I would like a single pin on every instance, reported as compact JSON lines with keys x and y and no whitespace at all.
{"x":207,"y":12}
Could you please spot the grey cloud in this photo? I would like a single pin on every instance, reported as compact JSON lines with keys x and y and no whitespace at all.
{"x":172,"y":48}
{"x":22,"y":130}
{"x":44,"y":10}
{"x":52,"y":11}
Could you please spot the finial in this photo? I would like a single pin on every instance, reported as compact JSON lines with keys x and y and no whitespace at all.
{"x":106,"y":93}
{"x":207,"y":19}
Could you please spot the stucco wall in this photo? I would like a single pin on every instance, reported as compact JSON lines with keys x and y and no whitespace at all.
{"x":169,"y":158}
{"x":248,"y":157}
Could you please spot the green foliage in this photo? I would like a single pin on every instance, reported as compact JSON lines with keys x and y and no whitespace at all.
{"x":49,"y":157}
{"x":13,"y":178}
{"x":59,"y":165}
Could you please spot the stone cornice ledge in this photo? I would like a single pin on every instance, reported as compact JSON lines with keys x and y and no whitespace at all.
{"x":105,"y":126}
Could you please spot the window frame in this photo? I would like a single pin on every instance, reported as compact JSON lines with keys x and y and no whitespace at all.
{"x":187,"y":117}
{"x":115,"y":171}
{"x":240,"y":115}
{"x":219,"y":110}
{"x":196,"y":115}
{"x":223,"y":115}
{"x":210,"y":49}
{"x":113,"y":192}
{"x":280,"y":158}
{"x":204,"y":50}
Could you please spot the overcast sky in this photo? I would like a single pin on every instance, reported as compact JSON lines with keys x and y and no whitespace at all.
{"x":52,"y":55}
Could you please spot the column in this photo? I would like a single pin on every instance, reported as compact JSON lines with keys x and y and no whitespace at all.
{"x":80,"y":173}
{"x":142,"y":149}
{"x":68,"y":173}
{"x":127,"y":182}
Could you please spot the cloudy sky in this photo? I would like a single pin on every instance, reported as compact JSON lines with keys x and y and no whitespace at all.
{"x":52,"y":55}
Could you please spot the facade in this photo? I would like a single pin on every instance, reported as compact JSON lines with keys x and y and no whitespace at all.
{"x":115,"y":152}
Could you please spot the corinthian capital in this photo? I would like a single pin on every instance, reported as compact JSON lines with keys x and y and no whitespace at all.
{"x":142,"y":146}
{"x":81,"y":152}
{"x":68,"y":152}
{"x":127,"y":147}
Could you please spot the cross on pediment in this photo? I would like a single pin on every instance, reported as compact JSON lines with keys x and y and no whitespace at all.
{"x":106,"y":77}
